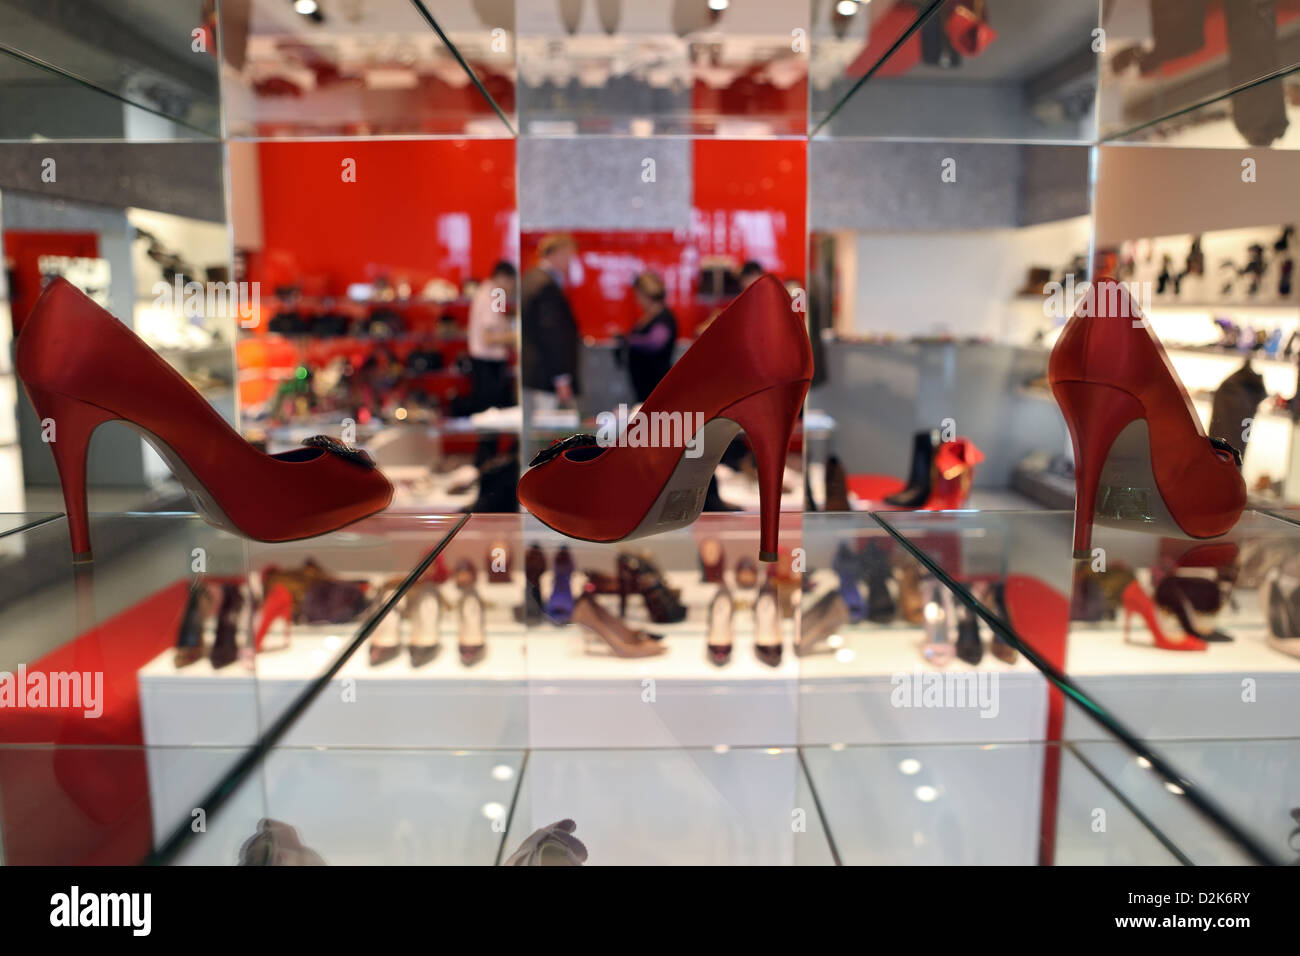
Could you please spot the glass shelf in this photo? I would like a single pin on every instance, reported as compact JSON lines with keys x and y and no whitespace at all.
{"x":1090,"y":625}
{"x":169,"y":649}
{"x":67,"y":65}
{"x":1198,"y":73}
{"x":914,"y":69}
{"x":456,"y":753}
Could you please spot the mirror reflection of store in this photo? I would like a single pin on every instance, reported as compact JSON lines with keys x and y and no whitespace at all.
{"x":134,"y":226}
{"x":389,"y":304}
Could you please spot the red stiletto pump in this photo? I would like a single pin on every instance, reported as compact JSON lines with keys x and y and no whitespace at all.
{"x":277,"y":606}
{"x":1137,"y":601}
{"x":1141,"y":457}
{"x":748,"y":370}
{"x":81,"y":367}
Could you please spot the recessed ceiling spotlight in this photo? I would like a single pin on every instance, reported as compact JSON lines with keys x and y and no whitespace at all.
{"x":846,"y":8}
{"x":305,"y":7}
{"x":719,"y":5}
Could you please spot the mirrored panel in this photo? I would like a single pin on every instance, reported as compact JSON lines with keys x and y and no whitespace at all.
{"x":378,"y":68}
{"x":153,"y":670}
{"x":728,"y":68}
{"x":109,"y":69}
{"x":387,"y":309}
{"x":936,"y":276}
{"x":141,"y":229}
{"x":989,"y":70}
{"x":1198,"y":73}
{"x":1175,"y":640}
{"x":1214,"y":279}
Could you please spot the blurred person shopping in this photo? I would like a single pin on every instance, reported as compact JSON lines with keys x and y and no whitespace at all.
{"x":490,"y":339}
{"x":549,"y":331}
{"x":648,"y":348}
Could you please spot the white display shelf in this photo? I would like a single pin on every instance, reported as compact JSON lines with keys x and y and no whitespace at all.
{"x":549,"y":686}
{"x":1237,"y":689}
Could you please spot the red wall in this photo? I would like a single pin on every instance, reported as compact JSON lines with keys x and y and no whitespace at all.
{"x":419,"y":209}
{"x":24,"y":250}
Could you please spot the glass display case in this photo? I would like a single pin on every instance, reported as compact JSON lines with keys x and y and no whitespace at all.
{"x":438,"y":238}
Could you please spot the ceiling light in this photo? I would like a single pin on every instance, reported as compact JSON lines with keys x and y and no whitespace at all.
{"x":846,"y":8}
{"x":305,"y":7}
{"x":719,"y":5}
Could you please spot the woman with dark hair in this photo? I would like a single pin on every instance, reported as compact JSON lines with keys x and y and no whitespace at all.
{"x":650,"y":343}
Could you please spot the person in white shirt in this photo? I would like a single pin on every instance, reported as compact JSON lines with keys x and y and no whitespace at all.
{"x":491,"y":336}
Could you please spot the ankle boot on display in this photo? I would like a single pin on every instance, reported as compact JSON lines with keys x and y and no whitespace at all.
{"x":920,"y":477}
{"x":837,"y":486}
{"x":81,"y":367}
{"x":225,"y":646}
{"x":748,"y":370}
{"x":969,"y":647}
{"x":998,"y":646}
{"x":1142,"y":459}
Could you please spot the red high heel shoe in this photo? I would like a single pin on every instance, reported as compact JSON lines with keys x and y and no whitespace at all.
{"x":82,"y":367}
{"x":1137,"y":601}
{"x":748,"y":370}
{"x":278,"y":606}
{"x":1141,"y":456}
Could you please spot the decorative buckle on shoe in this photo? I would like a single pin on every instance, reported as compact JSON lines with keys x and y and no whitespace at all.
{"x":1225,"y":445}
{"x":336,"y":447}
{"x":558,"y":448}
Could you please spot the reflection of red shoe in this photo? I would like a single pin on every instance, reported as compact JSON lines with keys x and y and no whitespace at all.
{"x":277,"y":606}
{"x":749,"y":369}
{"x":82,"y":367}
{"x":1136,"y":601}
{"x":1141,"y":456}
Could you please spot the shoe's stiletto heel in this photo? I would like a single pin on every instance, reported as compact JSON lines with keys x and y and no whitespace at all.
{"x":67,"y":424}
{"x":81,"y":367}
{"x":1136,"y":601}
{"x":768,"y":419}
{"x":1141,"y":457}
{"x":1094,"y":416}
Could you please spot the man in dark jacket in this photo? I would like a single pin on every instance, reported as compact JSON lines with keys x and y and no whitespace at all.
{"x":549,"y":332}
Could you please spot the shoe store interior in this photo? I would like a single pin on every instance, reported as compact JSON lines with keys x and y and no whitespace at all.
{"x":374,"y":562}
